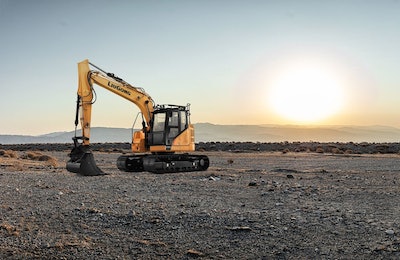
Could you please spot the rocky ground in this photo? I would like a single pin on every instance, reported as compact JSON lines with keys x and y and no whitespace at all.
{"x":321,"y":201}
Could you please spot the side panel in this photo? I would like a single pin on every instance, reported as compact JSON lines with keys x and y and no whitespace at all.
{"x":159,"y":148}
{"x":184,"y":142}
{"x":138,"y":142}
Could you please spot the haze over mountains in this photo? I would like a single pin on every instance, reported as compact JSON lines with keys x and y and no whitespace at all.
{"x":206,"y":132}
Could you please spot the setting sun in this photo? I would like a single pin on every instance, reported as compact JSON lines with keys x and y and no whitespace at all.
{"x":305,"y":93}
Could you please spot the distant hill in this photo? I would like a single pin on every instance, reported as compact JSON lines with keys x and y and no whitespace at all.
{"x":206,"y":132}
{"x":98,"y":135}
{"x":279,"y":133}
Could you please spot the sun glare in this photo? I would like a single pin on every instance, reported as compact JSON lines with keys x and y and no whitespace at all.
{"x":305,"y":93}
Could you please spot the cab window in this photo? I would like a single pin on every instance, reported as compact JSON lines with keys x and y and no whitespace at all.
{"x":174,"y":119}
{"x":159,"y":122}
{"x":183,"y":120}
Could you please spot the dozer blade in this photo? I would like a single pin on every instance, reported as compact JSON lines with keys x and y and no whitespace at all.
{"x":85,"y":166}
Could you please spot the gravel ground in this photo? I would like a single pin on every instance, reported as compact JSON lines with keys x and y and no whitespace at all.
{"x":248,"y":205}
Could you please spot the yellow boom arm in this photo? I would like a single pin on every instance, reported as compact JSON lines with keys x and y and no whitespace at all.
{"x":108,"y":81}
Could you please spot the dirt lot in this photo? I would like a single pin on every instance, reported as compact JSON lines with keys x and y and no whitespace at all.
{"x":248,"y":205}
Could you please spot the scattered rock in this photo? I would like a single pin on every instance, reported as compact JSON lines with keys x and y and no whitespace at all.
{"x":283,"y":170}
{"x":195,"y":253}
{"x":238,"y":228}
{"x":389,"y":232}
{"x":151,"y":243}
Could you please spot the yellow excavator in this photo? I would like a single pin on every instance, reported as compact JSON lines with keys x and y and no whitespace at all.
{"x":161,"y":146}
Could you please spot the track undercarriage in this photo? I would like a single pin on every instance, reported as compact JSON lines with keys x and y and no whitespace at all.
{"x":163,"y":163}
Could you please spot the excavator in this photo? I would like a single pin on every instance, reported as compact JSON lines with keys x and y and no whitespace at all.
{"x":163,"y":143}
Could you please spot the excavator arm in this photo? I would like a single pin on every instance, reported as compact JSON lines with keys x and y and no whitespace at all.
{"x":112,"y":83}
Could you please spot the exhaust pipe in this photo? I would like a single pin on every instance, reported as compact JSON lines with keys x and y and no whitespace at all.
{"x":82,"y":162}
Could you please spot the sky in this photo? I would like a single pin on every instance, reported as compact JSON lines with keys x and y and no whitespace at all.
{"x":310,"y":62}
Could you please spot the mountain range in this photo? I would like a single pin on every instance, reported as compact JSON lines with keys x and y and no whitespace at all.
{"x":206,"y":132}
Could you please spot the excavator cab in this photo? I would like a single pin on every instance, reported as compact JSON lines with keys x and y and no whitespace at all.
{"x":168,"y":122}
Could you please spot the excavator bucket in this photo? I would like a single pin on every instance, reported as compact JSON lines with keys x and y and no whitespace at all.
{"x":83,"y":163}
